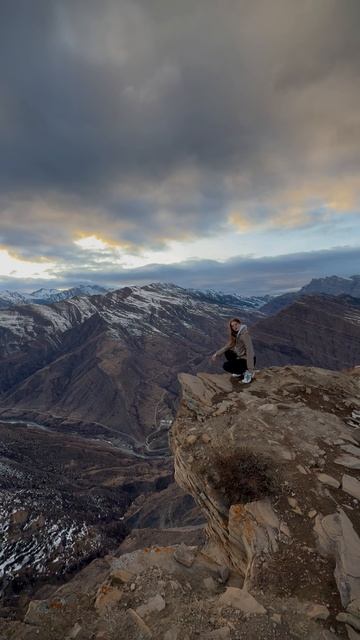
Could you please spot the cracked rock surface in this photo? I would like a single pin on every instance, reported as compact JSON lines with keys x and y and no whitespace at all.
{"x":291,"y":528}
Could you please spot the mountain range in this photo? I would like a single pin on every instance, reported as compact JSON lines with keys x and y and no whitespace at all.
{"x":47,"y":296}
{"x":331,"y":285}
{"x":10,"y":299}
{"x":108,"y":364}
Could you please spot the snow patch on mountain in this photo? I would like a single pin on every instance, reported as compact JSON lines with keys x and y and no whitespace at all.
{"x":43,"y":538}
{"x":161,"y":309}
{"x":48,"y":296}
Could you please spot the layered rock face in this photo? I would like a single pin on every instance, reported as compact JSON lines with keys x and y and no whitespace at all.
{"x":274,"y":467}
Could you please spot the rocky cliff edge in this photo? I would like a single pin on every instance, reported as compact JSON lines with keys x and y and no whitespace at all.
{"x":274,"y":467}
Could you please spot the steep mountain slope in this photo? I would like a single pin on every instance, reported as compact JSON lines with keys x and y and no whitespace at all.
{"x":107,"y":364}
{"x":50,"y":502}
{"x":316,"y":330}
{"x":64,"y":500}
{"x":11,"y":299}
{"x":279,"y":302}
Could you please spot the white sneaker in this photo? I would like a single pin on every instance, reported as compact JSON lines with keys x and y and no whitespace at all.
{"x":247,"y":377}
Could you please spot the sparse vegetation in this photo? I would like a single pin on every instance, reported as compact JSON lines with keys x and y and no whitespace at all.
{"x":242,"y":476}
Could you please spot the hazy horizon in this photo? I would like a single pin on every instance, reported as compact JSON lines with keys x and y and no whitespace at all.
{"x":28,"y":288}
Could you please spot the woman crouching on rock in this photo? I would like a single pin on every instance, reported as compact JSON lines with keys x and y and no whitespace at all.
{"x":239,"y":352}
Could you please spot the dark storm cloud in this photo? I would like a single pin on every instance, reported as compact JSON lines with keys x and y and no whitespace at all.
{"x":247,"y":276}
{"x":149,"y":120}
{"x":98,"y":90}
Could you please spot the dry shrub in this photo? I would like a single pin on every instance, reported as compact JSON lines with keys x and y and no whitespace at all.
{"x":242,"y":476}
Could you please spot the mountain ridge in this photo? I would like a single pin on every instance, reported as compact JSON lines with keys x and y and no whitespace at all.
{"x":49,"y":296}
{"x":45,"y":296}
{"x":330,"y":285}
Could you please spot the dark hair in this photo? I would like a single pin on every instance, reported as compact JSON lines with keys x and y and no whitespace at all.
{"x":233,"y":333}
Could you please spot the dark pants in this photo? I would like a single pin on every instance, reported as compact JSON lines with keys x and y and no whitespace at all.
{"x":234,"y":364}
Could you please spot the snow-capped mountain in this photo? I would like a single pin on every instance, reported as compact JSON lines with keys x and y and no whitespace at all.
{"x":42,"y":296}
{"x":231,"y":299}
{"x":46,"y":296}
{"x":11,"y":298}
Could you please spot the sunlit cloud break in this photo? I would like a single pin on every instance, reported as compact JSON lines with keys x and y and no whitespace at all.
{"x":17,"y":268}
{"x":91,"y":243}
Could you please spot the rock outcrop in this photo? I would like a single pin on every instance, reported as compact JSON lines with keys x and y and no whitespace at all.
{"x":274,"y":467}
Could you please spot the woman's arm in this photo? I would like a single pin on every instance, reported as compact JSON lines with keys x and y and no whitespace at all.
{"x":229,"y":345}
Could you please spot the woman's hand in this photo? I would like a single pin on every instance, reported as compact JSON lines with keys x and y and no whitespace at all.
{"x":213,"y":357}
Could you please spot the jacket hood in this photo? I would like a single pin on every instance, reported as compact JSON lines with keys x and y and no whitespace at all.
{"x":243,"y":328}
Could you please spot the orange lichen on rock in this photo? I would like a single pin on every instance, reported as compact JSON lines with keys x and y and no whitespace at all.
{"x":56,"y":604}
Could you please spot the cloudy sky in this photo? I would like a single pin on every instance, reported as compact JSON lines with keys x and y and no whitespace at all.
{"x":201,"y":142}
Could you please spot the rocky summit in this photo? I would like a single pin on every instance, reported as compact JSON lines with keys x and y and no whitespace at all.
{"x":274,"y":467}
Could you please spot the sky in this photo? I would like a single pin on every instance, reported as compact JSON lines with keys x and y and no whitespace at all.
{"x":210,"y":144}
